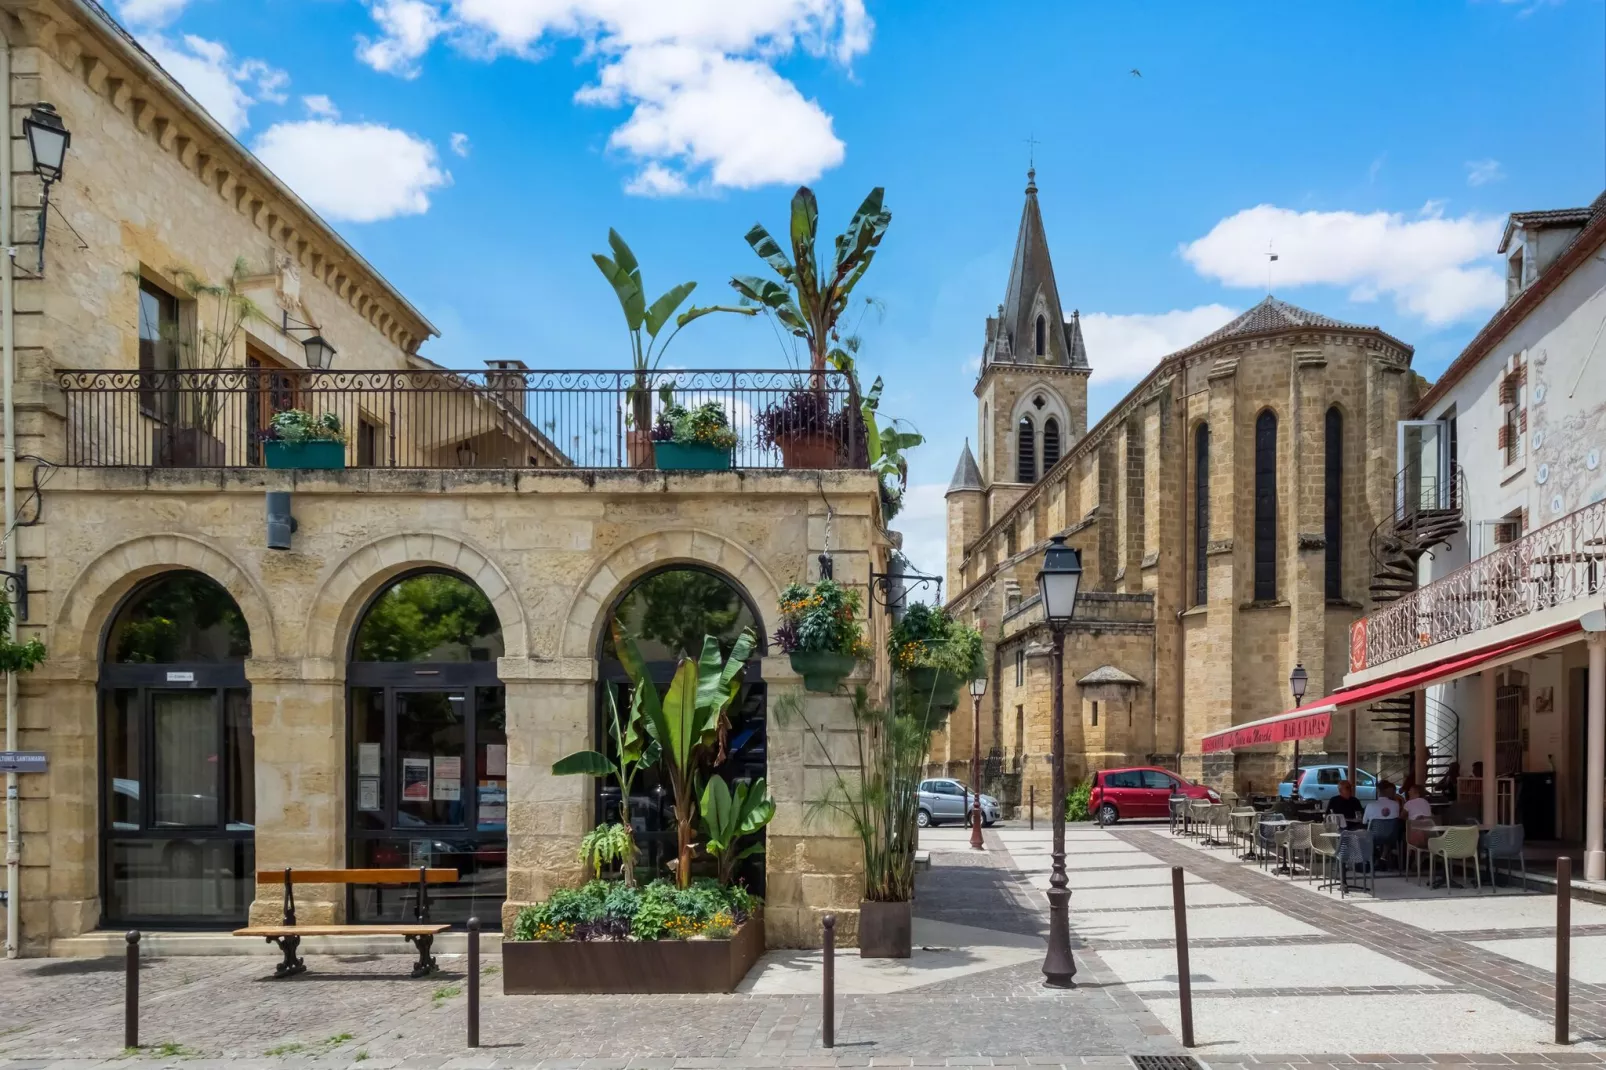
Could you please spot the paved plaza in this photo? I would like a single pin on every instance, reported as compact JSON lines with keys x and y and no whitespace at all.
{"x":1283,"y":973}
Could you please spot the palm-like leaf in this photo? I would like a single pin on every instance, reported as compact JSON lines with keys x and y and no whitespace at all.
{"x":769,"y":250}
{"x":584,"y":763}
{"x":665,"y":306}
{"x":626,"y":287}
{"x":635,"y":667}
{"x":805,"y":225}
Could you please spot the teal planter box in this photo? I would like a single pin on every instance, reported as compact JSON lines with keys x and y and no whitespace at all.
{"x":696,"y":457}
{"x":305,"y":454}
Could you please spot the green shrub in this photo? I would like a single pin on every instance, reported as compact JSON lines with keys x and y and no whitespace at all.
{"x":608,"y":909}
{"x":1076,"y":808}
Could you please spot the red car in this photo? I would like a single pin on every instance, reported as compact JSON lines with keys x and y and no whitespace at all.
{"x":1141,"y":792}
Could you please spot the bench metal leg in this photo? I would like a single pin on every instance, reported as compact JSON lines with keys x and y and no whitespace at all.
{"x":292,"y":963}
{"x":426,"y":963}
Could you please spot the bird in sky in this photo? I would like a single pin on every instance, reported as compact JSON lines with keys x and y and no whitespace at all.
{"x":1136,"y":73}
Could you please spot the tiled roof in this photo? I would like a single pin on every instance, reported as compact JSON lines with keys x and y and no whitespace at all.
{"x":966,"y":475}
{"x":1550,"y":217}
{"x":1269,"y":316}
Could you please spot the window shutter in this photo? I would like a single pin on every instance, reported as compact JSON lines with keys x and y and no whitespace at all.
{"x":1522,"y":524}
{"x":1522,"y":422}
{"x":1508,"y":390}
{"x":1503,"y":442}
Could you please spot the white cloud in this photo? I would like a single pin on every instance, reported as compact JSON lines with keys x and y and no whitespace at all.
{"x":145,"y":13}
{"x":460,"y":145}
{"x":224,"y":87}
{"x":1123,"y":349}
{"x":1482,"y":172}
{"x":1433,"y":267}
{"x":321,"y":106}
{"x":707,"y":106}
{"x":357,"y":172}
{"x":924,"y":523}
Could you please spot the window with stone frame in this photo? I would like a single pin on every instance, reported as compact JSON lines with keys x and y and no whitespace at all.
{"x":1051,"y":443}
{"x":1266,"y":507}
{"x":1333,"y":504}
{"x":1020,"y":666}
{"x":1042,"y":336}
{"x":1513,"y":417}
{"x":1201,"y":515}
{"x":158,"y":348}
{"x":1025,"y":452}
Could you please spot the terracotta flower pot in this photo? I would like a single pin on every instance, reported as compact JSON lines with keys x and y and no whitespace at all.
{"x":807,"y":449}
{"x":638,"y":448}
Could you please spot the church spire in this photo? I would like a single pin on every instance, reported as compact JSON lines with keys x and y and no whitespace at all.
{"x":1032,"y":328}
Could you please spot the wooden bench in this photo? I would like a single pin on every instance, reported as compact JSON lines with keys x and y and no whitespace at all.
{"x":420,"y":932}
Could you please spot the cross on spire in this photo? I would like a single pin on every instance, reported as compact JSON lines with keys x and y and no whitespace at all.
{"x":1031,"y":151}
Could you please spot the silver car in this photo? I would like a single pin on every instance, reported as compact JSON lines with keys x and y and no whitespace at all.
{"x":949,"y":800}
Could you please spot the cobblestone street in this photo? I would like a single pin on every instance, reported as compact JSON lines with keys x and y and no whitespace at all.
{"x":1278,"y":967}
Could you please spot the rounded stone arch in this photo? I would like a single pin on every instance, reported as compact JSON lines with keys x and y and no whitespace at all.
{"x":101,"y":586}
{"x":348,"y":590}
{"x":582,"y":630}
{"x":1053,"y":405}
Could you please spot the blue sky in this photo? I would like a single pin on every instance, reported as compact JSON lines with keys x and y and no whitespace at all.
{"x":478,"y":150}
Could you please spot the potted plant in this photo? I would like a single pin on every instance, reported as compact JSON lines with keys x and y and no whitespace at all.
{"x":820,"y":630}
{"x":808,"y":300}
{"x":297,"y":439}
{"x":608,"y":937}
{"x":884,"y":443}
{"x":645,"y":322}
{"x":636,"y":750}
{"x":730,"y":817}
{"x":697,"y":439}
{"x":879,"y":797}
{"x":934,"y":654}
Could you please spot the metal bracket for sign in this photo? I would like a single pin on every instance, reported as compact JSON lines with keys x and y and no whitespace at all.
{"x":883,"y":582}
{"x":16,"y":583}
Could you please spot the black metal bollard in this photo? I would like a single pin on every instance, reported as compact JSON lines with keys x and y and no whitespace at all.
{"x":1179,"y":907}
{"x":828,"y":996}
{"x":473,"y":982}
{"x":1031,"y":812}
{"x":131,"y":992}
{"x":1564,"y":950}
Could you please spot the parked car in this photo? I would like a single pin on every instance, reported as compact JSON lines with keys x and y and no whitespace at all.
{"x":949,"y":800}
{"x":1142,"y":792}
{"x":1320,"y":782}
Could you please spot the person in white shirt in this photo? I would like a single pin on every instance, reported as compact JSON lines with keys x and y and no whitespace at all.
{"x":1382,"y":807}
{"x":1417,"y":806}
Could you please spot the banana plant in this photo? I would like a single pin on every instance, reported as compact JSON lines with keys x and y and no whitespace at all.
{"x":811,"y":296}
{"x":884,"y":443}
{"x":636,"y":750}
{"x":728,"y":816}
{"x":645,"y":322}
{"x":686,"y":723}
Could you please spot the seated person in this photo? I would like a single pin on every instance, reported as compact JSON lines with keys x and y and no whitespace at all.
{"x":1383,"y":807}
{"x":1345,"y":804}
{"x":1417,"y":805}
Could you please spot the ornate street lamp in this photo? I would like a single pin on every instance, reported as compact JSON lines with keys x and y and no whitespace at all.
{"x":320,"y":354}
{"x":48,"y":139}
{"x":978,"y":688}
{"x":1057,"y":583}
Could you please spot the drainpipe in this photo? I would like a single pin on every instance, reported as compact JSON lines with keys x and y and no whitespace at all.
{"x":8,"y":360}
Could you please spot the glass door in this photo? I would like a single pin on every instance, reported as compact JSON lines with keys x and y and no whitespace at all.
{"x":429,"y":788}
{"x":1424,"y":458}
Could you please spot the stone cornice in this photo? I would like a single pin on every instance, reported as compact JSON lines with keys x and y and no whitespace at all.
{"x":82,"y":38}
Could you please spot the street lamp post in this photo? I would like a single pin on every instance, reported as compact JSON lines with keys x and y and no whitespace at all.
{"x":1298,"y":680}
{"x":1057,"y":584}
{"x":978,"y":688}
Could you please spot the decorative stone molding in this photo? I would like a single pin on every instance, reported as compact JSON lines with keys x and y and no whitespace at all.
{"x":1150,"y":560}
{"x":1312,"y":540}
{"x":1218,"y":546}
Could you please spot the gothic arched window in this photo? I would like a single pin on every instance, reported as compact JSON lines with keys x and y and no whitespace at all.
{"x":1042,"y":335}
{"x":1201,"y":515}
{"x":1266,"y":507}
{"x":1025,"y":452}
{"x":1051,"y":443}
{"x":1333,"y":503}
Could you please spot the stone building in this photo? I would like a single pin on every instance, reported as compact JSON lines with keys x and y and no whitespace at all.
{"x":221,"y":697}
{"x":1223,"y":509}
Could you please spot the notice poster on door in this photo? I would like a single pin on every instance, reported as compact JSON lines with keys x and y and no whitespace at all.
{"x":415,"y":779}
{"x":368,"y":759}
{"x":448,"y":778}
{"x":368,"y":793}
{"x":496,"y":759}
{"x":493,"y":807}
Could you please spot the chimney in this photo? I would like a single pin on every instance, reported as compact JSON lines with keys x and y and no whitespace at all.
{"x":506,"y":378}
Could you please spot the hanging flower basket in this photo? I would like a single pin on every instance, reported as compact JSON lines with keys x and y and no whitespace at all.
{"x":823,"y":670}
{"x":936,"y":688}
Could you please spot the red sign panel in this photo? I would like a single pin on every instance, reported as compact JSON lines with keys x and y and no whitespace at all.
{"x":1357,"y":645}
{"x":1307,"y":727}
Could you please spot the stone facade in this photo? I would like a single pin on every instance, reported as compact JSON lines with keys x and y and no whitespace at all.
{"x":1126,"y":495}
{"x":152,"y":183}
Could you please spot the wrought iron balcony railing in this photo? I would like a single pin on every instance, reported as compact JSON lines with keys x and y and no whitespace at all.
{"x":1551,"y":566}
{"x":496,"y":418}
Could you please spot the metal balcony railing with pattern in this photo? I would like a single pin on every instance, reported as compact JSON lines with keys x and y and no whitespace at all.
{"x":1562,"y":562}
{"x":493,"y":418}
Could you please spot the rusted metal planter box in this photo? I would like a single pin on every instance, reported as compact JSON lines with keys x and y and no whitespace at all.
{"x":536,"y":968}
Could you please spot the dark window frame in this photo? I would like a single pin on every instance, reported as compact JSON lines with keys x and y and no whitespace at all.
{"x":1201,"y":515}
{"x":1051,"y":443}
{"x":1025,"y":451}
{"x":1333,"y":503}
{"x":1265,"y":572}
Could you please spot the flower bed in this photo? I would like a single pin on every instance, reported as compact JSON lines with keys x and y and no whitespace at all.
{"x":607,"y":938}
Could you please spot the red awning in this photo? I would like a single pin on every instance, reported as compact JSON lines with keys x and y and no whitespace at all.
{"x":1314,"y":720}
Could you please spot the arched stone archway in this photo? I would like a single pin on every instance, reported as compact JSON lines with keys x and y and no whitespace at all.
{"x":586,"y":619}
{"x":349,"y":587}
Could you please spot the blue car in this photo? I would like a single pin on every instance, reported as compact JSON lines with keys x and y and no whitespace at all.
{"x":1320,"y":782}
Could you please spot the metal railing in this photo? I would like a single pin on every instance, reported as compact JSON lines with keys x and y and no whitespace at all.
{"x":493,"y":418}
{"x":1550,"y":566}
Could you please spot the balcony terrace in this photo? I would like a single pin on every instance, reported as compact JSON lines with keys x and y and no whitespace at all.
{"x":1545,"y":570}
{"x":501,"y":417}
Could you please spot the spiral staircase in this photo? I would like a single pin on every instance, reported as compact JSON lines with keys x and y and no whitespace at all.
{"x":1426,"y":516}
